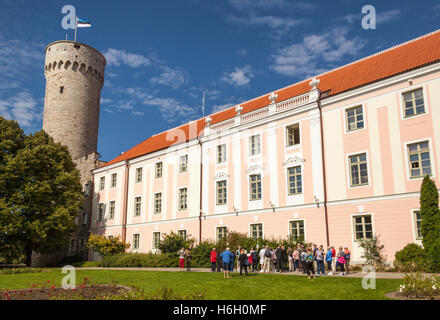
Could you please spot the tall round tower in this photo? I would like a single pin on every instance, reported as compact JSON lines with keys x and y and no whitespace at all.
{"x":74,"y":78}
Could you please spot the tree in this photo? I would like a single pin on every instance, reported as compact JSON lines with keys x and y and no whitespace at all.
{"x":429,"y":213}
{"x":40,"y":192}
{"x":372,"y":251}
{"x":106,"y":246}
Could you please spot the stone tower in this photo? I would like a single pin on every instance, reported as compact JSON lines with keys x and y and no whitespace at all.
{"x":74,"y":75}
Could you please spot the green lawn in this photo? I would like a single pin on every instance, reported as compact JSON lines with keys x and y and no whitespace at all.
{"x":255,"y":286}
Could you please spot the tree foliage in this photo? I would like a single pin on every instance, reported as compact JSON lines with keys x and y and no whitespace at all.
{"x":429,"y":212}
{"x":372,"y":251}
{"x":173,"y":242}
{"x":106,"y":246}
{"x":40,"y":191}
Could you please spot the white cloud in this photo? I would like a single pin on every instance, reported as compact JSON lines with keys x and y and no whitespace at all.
{"x":173,"y":78}
{"x":104,"y":100}
{"x":387,"y":16}
{"x":137,"y":113}
{"x":21,"y":107}
{"x":316,"y":53}
{"x":272,"y":22}
{"x":116,"y":57}
{"x":221,"y":107}
{"x":238,"y":77}
{"x":170,"y":108}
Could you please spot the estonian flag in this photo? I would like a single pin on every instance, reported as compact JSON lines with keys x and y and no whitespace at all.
{"x":82,"y":23}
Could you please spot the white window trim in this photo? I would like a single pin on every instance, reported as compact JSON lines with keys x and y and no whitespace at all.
{"x":256,"y":222}
{"x":260,"y":154}
{"x":154,"y":168}
{"x":347,"y":166}
{"x":344,"y":110}
{"x":154,"y":203}
{"x":155,"y":250}
{"x":294,"y":220}
{"x":431,"y":158}
{"x":425,"y":100}
{"x":111,"y":180}
{"x":224,"y":163}
{"x":178,"y":198}
{"x":285,"y":126}
{"x":179,"y":167}
{"x":294,"y":198}
{"x":183,"y":229}
{"x":134,"y":206}
{"x":136,"y":176}
{"x":359,"y":214}
{"x":221,"y":208}
{"x":255,"y":204}
{"x":139,"y":244}
{"x":414,"y":227}
{"x":109,"y":208}
{"x":220,"y":226}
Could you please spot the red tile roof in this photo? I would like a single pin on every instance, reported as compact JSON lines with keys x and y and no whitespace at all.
{"x":407,"y":56}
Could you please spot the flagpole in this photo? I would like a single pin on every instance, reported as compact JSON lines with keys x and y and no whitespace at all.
{"x":76,"y":26}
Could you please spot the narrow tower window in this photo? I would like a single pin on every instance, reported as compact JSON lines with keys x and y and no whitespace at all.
{"x":61,"y":89}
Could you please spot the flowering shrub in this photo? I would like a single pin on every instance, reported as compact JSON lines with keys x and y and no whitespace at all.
{"x":106,"y":246}
{"x":420,"y":286}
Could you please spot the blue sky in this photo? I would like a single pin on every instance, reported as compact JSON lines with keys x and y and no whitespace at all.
{"x":161,"y":55}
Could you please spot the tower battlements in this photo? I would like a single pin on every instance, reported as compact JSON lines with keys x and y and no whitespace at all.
{"x":74,"y":75}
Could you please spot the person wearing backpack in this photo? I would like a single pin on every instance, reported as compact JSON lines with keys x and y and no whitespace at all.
{"x":347,"y":255}
{"x":309,"y":263}
{"x":341,"y":261}
{"x":267,"y":258}
{"x":329,"y":260}
{"x":303,"y":260}
{"x":243,"y":259}
{"x":254,"y":260}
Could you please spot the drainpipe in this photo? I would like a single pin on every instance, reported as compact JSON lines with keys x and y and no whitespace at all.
{"x":323,"y":170}
{"x":201,"y":188}
{"x":125,"y":205}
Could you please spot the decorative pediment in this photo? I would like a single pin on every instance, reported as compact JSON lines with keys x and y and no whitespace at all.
{"x":221,"y":176}
{"x":255,"y":169}
{"x":293,"y":161}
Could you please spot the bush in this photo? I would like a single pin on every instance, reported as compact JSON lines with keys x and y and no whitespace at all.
{"x":162,"y":260}
{"x":372,"y":251}
{"x":201,"y":254}
{"x":106,"y":246}
{"x":419,"y":286}
{"x":173,"y":242}
{"x":411,"y":258}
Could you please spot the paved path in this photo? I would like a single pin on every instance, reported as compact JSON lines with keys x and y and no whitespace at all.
{"x":355,"y":274}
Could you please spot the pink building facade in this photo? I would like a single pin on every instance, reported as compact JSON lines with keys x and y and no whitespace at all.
{"x":332,"y":160}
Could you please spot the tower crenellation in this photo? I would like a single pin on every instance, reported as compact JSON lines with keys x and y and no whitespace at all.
{"x":74,"y":78}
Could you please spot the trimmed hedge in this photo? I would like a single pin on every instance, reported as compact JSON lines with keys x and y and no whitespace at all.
{"x":412,"y":258}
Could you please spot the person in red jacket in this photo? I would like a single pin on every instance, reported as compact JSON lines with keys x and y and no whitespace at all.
{"x":213,"y":259}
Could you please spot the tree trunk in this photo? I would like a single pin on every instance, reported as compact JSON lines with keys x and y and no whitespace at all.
{"x":28,"y":256}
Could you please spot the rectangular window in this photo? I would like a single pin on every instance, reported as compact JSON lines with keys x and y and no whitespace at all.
{"x":256,"y":231}
{"x":363,"y":227}
{"x":82,"y":243}
{"x":221,"y":233}
{"x":419,"y":159}
{"x":292,"y":134}
{"x":418,"y":224}
{"x":158,"y":173}
{"x":413,"y":102}
{"x":137,"y":206}
{"x":183,"y":165}
{"x":221,"y":153}
{"x":73,"y":246}
{"x":294,"y":180}
{"x":84,"y":218}
{"x":297,"y":230}
{"x":101,"y":183}
{"x":113,"y":181}
{"x":138,"y":175}
{"x":182,"y":233}
{"x":254,"y":145}
{"x":156,"y":240}
{"x":157,"y":203}
{"x":255,"y":187}
{"x":112,"y":210}
{"x":183,"y":199}
{"x":221,"y":192}
{"x":101,"y":211}
{"x":136,"y":238}
{"x":358,"y":170}
{"x":355,"y":118}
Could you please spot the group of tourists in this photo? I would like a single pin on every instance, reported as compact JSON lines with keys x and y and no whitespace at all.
{"x":308,"y":260}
